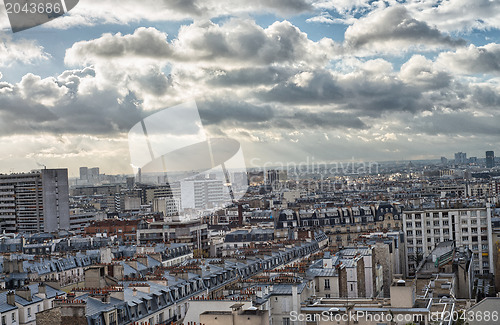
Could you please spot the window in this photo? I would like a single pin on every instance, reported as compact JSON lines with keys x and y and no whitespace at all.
{"x":286,"y":321}
{"x":327,"y":284}
{"x":445,"y":222}
{"x":13,"y":317}
{"x":327,"y":295}
{"x":4,"y":322}
{"x":29,"y":311}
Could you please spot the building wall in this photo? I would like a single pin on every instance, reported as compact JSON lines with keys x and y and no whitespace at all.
{"x":197,"y":307}
{"x":382,"y":257}
{"x":7,"y":316}
{"x":35,"y":202}
{"x":55,"y":199}
{"x":469,"y":227}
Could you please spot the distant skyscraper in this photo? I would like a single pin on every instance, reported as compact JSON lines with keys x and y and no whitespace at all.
{"x":460,"y":158}
{"x":94,"y":173}
{"x":35,"y":202}
{"x":84,"y":173}
{"x":130,"y":182}
{"x":444,"y":160}
{"x":273,"y":177}
{"x":490,"y":159}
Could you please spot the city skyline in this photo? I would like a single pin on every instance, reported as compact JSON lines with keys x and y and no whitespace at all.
{"x":372,"y":80}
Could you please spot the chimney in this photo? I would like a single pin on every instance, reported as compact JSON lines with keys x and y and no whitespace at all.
{"x":25,"y":293}
{"x":295,"y":297}
{"x":106,"y":298}
{"x":134,"y":292}
{"x":240,"y":214}
{"x":236,"y":309}
{"x":11,"y":298}
{"x":42,"y":288}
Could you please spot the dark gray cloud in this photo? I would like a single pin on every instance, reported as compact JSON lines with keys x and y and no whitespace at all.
{"x":243,"y":115}
{"x":239,"y":112}
{"x":327,"y":120}
{"x":362,"y":94}
{"x":269,"y":75}
{"x":458,"y":123}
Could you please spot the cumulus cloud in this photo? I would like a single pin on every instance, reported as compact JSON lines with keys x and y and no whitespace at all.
{"x":473,"y":59}
{"x":458,"y":15}
{"x":363,"y":92}
{"x":46,"y":105}
{"x":20,"y":51}
{"x":422,"y":72}
{"x":93,"y":12}
{"x":236,"y":41}
{"x":393,"y":29}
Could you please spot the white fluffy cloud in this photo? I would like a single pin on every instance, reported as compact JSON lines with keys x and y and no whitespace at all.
{"x":473,"y":59}
{"x":424,"y":73}
{"x":23,"y":51}
{"x":458,"y":15}
{"x":236,"y":42}
{"x":92,"y":12}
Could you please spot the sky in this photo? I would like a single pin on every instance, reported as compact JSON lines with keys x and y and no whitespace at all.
{"x":291,"y":80}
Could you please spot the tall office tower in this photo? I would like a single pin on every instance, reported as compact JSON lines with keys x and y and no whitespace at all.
{"x":34,"y":202}
{"x":84,"y":173}
{"x":490,"y":159}
{"x":460,"y":158}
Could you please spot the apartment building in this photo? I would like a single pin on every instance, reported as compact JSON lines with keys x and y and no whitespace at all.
{"x":34,"y":202}
{"x":467,"y":224}
{"x":201,"y":194}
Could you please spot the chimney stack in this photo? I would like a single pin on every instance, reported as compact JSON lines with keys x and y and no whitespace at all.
{"x":42,"y":289}
{"x":24,"y":292}
{"x":11,"y":298}
{"x":240,"y":215}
